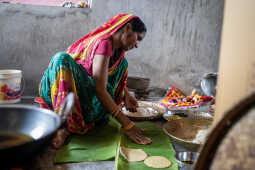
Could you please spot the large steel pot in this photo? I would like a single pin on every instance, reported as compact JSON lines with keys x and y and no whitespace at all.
{"x":208,"y":84}
{"x":25,"y":130}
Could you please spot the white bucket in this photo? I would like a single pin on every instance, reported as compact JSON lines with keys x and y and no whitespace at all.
{"x":10,"y":86}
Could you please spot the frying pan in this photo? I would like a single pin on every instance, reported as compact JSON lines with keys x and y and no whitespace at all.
{"x":25,"y":130}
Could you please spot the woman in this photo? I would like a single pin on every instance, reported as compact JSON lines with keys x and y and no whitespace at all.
{"x":95,"y":69}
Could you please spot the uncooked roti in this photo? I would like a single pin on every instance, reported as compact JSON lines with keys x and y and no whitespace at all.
{"x":133,"y":155}
{"x":157,"y":162}
{"x":145,"y":109}
{"x":141,"y":112}
{"x":156,"y":106}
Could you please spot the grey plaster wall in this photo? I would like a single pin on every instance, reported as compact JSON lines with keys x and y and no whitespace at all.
{"x":181,"y":45}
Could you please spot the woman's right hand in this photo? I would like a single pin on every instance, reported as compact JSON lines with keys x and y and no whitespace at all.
{"x":135,"y":134}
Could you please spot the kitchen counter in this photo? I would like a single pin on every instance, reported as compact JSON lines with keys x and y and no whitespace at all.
{"x":45,"y":160}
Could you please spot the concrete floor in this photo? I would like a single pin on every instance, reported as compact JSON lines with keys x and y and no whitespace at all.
{"x":45,"y":160}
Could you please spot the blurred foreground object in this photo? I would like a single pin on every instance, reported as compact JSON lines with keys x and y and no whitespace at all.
{"x":236,"y":77}
{"x":230,"y":144}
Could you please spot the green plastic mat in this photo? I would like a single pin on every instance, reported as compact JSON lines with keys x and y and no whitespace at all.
{"x":99,"y":144}
{"x":161,"y":146}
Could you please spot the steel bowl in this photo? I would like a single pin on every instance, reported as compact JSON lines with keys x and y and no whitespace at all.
{"x":185,"y":131}
{"x":186,"y":158}
{"x":24,"y":130}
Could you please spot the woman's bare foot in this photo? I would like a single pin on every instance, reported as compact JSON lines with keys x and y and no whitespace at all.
{"x":60,"y":138}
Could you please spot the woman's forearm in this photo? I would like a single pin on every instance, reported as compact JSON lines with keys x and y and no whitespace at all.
{"x":100,"y":76}
{"x":107,"y":101}
{"x":126,"y":93}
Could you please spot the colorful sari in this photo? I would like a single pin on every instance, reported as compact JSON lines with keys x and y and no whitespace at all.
{"x":69,"y":71}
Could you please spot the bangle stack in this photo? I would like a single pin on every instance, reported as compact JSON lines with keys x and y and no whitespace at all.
{"x":116,"y":111}
{"x":129,"y":126}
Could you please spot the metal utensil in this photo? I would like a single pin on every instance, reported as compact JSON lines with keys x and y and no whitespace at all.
{"x":172,"y":113}
{"x":187,"y":114}
{"x":187,"y":131}
{"x":37,"y":123}
{"x":208,"y":84}
{"x":186,"y":158}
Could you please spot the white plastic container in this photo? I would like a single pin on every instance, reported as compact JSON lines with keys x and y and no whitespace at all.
{"x":10,"y":86}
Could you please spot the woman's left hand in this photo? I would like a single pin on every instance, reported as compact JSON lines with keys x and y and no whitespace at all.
{"x":135,"y":134}
{"x":130,"y":102}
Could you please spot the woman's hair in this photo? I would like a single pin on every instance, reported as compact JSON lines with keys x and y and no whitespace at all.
{"x":137,"y":25}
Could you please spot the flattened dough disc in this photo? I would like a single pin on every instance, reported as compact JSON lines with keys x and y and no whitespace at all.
{"x":133,"y":155}
{"x":157,"y":162}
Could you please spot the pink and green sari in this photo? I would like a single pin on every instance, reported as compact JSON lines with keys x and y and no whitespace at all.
{"x":69,"y":72}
